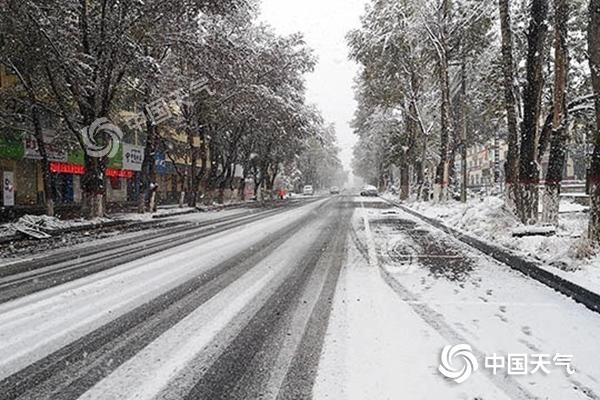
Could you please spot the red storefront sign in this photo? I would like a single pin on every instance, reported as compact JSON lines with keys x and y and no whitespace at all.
{"x":66,"y":168}
{"x":76,"y":169}
{"x":119,"y":173}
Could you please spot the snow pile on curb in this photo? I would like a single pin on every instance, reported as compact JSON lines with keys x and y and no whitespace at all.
{"x":566,"y":253}
{"x":162,"y":212}
{"x":46,"y":224}
{"x":486,"y":218}
{"x":53,"y":224}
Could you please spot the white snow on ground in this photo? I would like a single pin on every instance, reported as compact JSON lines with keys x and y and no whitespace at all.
{"x":566,"y":254}
{"x":161,"y":212}
{"x":46,"y":223}
{"x":120,"y":236}
{"x":217,"y":321}
{"x":37,"y":325}
{"x":49,"y":224}
{"x":174,"y":210}
{"x":52,"y":223}
{"x":384,"y":344}
{"x":377,"y":348}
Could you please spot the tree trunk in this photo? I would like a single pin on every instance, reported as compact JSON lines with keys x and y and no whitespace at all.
{"x":181,"y":199}
{"x":192,"y":175}
{"x":152,"y":203}
{"x":463,"y":136}
{"x":92,"y":184}
{"x":529,"y":174}
{"x":148,"y":175}
{"x":223,"y":184}
{"x":242,"y":189}
{"x":47,"y":177}
{"x":404,"y":181}
{"x":594,"y":52}
{"x":560,"y":131}
{"x":442,"y":177}
{"x":510,"y":102}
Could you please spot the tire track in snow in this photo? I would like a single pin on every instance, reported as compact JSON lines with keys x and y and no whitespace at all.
{"x":72,"y":370}
{"x":74,"y":266}
{"x":246,"y":368}
{"x":301,"y":375}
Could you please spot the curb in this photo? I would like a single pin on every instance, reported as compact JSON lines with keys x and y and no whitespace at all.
{"x":128,"y":222}
{"x":529,"y":268}
{"x":163,"y":216}
{"x":101,"y":225}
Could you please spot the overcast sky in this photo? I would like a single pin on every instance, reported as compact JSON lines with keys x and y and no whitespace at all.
{"x":324,"y":24}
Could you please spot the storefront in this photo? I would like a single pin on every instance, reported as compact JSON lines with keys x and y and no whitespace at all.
{"x":67,"y":183}
{"x":166,"y":179}
{"x":21,"y":160}
{"x":32,"y":192}
{"x":133,"y":158}
{"x":11,"y":153}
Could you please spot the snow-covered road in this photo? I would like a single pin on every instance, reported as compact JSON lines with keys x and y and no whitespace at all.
{"x":341,"y":298}
{"x":391,"y":321}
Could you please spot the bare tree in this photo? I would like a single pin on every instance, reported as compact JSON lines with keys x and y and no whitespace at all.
{"x":560,"y":131}
{"x":440,"y":41}
{"x":594,"y":53}
{"x":512,"y":158}
{"x":529,"y":173}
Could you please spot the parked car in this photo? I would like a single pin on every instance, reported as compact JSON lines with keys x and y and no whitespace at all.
{"x":308,"y":190}
{"x":334,"y":190}
{"x":369,"y":191}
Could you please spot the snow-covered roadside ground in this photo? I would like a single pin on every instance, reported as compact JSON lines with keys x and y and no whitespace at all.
{"x":390,"y":322}
{"x":50,"y":224}
{"x":161,"y":212}
{"x":376,"y":347}
{"x":47,"y":223}
{"x":81,"y":240}
{"x":567,"y":253}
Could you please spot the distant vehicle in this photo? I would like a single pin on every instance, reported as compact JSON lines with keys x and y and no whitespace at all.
{"x":334,"y":190}
{"x":308,"y":190}
{"x":369,"y":191}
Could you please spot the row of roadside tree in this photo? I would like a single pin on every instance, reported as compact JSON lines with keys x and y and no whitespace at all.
{"x":439,"y":76}
{"x":201,"y":80}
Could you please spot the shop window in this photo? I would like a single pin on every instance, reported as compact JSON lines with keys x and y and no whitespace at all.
{"x":63,"y":189}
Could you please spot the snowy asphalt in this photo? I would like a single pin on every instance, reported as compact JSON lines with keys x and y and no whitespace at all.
{"x":22,"y":278}
{"x":338,"y":298}
{"x":293,"y":313}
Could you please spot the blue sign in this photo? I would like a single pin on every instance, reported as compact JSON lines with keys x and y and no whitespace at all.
{"x":160,"y":163}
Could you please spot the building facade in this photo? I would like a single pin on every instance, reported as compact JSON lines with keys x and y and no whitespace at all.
{"x":486,"y":163}
{"x":22,"y":174}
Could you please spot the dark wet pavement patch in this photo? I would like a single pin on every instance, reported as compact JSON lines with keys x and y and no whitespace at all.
{"x":440,"y":256}
{"x":396,"y":223}
{"x":379,"y":205}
